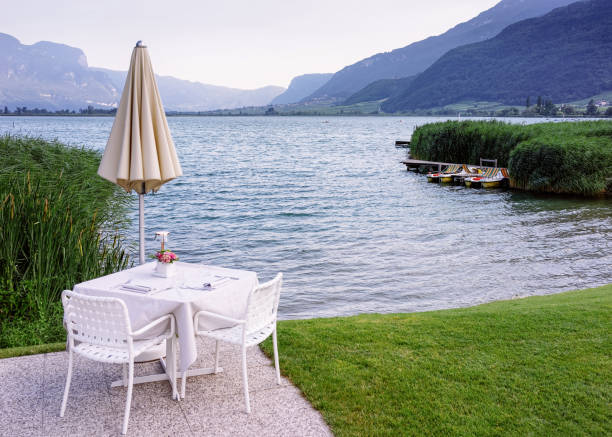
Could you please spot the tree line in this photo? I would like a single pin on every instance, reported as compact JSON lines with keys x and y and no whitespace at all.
{"x":90,"y":110}
{"x":547,"y":108}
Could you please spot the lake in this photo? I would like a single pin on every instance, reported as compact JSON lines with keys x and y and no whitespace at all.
{"x":326,"y":201}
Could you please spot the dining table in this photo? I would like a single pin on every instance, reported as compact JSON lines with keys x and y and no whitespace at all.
{"x":193,"y":287}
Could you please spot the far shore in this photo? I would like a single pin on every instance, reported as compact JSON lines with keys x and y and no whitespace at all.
{"x":308,"y":114}
{"x":542,"y":117}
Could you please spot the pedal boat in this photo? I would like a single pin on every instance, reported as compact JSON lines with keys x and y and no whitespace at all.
{"x":433,"y":177}
{"x":496,"y":181}
{"x":458,"y":178}
{"x":444,"y":176}
{"x":473,"y":182}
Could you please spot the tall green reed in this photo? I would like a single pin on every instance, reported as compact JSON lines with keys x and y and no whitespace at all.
{"x":60,"y":224}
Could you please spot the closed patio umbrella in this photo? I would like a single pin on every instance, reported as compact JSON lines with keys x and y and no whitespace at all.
{"x":140,"y":154}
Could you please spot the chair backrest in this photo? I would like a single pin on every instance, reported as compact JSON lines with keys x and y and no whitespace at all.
{"x":96,"y":320}
{"x":452,"y":168}
{"x":262,"y":304}
{"x":490,"y":172}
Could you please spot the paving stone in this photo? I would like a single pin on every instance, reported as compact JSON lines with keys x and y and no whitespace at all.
{"x":21,"y":396}
{"x":229,"y":382}
{"x":21,"y":378}
{"x":18,"y":428}
{"x":214,"y":406}
{"x":299,"y":423}
{"x":99,"y":427}
{"x":221,"y":416}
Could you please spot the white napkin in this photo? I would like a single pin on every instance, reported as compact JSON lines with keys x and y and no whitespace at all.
{"x":146,"y":285}
{"x":216,"y":282}
{"x":135,"y":288}
{"x":207,"y":282}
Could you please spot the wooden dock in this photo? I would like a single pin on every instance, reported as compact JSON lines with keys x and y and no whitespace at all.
{"x":416,"y":164}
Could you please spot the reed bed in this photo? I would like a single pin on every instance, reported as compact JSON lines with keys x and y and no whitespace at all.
{"x":571,"y":157}
{"x":60,"y":224}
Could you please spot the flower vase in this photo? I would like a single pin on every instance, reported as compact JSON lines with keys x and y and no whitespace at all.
{"x":165,"y":270}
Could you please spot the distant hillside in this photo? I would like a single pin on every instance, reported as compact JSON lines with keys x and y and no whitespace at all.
{"x":56,"y":76}
{"x":417,"y":57}
{"x":381,"y":89}
{"x":52,"y":76}
{"x":564,"y":56}
{"x":184,"y":95}
{"x":300,"y":87}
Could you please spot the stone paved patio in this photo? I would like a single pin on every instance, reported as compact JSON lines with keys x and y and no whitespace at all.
{"x":32,"y":388}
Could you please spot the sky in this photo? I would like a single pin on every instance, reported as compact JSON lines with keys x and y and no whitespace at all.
{"x":236,"y":43}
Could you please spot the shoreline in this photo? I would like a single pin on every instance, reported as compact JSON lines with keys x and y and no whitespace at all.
{"x":18,"y":351}
{"x":394,"y":115}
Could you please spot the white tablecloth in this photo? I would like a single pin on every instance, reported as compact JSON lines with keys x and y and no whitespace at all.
{"x":170,"y":296}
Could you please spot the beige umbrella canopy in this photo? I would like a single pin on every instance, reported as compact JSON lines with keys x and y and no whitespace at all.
{"x":140,"y":154}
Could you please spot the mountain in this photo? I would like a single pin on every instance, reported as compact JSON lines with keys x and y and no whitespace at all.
{"x":52,"y":76}
{"x":300,"y":87}
{"x":381,"y":89}
{"x":563,"y":56}
{"x":184,"y":95}
{"x":417,"y":57}
{"x":56,"y":76}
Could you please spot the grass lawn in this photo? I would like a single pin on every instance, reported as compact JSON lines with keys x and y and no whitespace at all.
{"x":535,"y":366}
{"x":31,"y":350}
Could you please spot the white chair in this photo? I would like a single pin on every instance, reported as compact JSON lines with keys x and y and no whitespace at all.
{"x":99,"y":329}
{"x":258,"y":324}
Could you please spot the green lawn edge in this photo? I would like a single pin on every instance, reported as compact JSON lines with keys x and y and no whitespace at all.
{"x":19,"y":351}
{"x":534,"y":366}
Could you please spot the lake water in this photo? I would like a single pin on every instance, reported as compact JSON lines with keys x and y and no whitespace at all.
{"x":327,"y":202}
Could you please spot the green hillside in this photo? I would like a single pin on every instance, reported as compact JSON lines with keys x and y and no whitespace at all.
{"x":563,"y":56}
{"x":416,"y":57}
{"x":381,"y":89}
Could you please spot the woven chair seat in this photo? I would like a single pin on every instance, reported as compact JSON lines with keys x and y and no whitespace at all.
{"x":117,"y":355}
{"x":234,"y":334}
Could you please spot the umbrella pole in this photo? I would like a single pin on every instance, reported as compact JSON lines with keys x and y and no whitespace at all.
{"x":141,"y":227}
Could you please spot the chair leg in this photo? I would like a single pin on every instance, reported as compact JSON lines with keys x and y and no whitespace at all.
{"x":183,"y":384}
{"x":67,"y":388}
{"x":128,"y":401}
{"x":217,"y":356}
{"x":125,"y":374}
{"x":245,"y":380}
{"x":175,"y":394}
{"x":276,"y":366}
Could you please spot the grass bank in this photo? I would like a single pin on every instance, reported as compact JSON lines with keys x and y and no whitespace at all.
{"x":571,"y":157}
{"x":32,"y":350}
{"x":60,"y":224}
{"x":535,"y":366}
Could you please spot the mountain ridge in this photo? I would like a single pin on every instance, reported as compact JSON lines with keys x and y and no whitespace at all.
{"x":300,"y":87}
{"x":379,"y":90}
{"x":57,"y":76}
{"x":562,"y":56}
{"x":418,"y":56}
{"x":184,"y":95}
